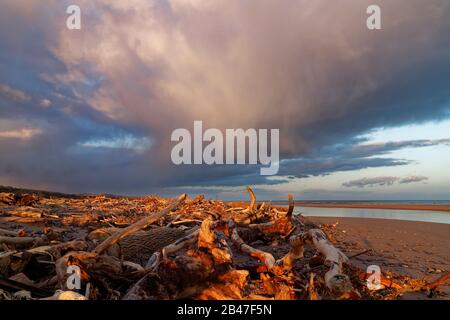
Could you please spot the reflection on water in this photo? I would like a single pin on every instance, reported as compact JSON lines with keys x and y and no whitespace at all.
{"x":412,"y":215}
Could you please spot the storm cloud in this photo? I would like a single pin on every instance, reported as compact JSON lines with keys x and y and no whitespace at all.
{"x":92,"y":110}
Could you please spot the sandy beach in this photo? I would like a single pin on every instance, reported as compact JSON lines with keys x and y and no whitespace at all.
{"x":417,"y":249}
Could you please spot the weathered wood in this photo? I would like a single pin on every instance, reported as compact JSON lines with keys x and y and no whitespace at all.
{"x":180,"y":244}
{"x":208,"y":239}
{"x":17,"y":233}
{"x":89,"y":263}
{"x":229,"y":286}
{"x":141,"y":224}
{"x":252,"y":199}
{"x":291,"y":205}
{"x":282,"y":226}
{"x":440,"y":281}
{"x":65,"y":295}
{"x":139,"y":247}
{"x":22,"y":241}
{"x":12,"y":285}
{"x":275,"y":266}
{"x":13,"y":262}
{"x":24,"y":212}
{"x":56,"y":251}
{"x":335,"y":279}
{"x":7,"y":198}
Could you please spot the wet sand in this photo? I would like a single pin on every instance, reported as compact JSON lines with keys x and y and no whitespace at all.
{"x":417,"y":249}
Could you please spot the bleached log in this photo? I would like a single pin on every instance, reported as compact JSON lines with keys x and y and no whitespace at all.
{"x":181,"y":243}
{"x":141,"y":224}
{"x":277,"y":267}
{"x":135,"y":266}
{"x":294,"y":254}
{"x":335,"y":279}
{"x":184,"y":242}
{"x":266,"y":258}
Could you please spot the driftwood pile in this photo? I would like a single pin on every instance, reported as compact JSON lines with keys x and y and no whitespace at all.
{"x":105,"y":247}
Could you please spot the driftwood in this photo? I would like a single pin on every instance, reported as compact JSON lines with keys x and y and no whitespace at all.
{"x":335,"y":279}
{"x":13,"y":262}
{"x":140,"y":246}
{"x":12,"y":285}
{"x":440,"y":281}
{"x":18,"y":233}
{"x":18,"y":199}
{"x":24,"y":212}
{"x":57,"y":250}
{"x":229,"y":286}
{"x":275,"y":266}
{"x":7,"y":198}
{"x":65,"y":295}
{"x":203,"y":249}
{"x":22,"y":241}
{"x":141,"y":224}
{"x":180,"y":244}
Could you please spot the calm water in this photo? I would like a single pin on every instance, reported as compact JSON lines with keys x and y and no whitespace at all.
{"x":412,"y":215}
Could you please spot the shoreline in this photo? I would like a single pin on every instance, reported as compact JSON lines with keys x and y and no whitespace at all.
{"x":411,"y":248}
{"x":393,"y":206}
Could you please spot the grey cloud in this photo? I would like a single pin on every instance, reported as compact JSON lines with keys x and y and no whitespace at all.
{"x":13,"y":94}
{"x":383,"y":181}
{"x":379,"y":181}
{"x":412,"y":179}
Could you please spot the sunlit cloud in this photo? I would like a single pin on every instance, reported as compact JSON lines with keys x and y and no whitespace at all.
{"x":23,"y":134}
{"x":45,"y":103}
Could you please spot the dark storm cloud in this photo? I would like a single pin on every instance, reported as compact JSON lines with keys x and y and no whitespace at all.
{"x":144,"y":68}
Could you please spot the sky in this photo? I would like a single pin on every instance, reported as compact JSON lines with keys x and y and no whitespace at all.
{"x":363,"y":114}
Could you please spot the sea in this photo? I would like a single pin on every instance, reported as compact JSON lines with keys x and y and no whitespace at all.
{"x":393,"y":214}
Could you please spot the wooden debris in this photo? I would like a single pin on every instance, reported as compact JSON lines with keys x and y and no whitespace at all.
{"x":7,"y":198}
{"x":154,"y":248}
{"x":141,"y":224}
{"x":22,"y":241}
{"x":335,"y":279}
